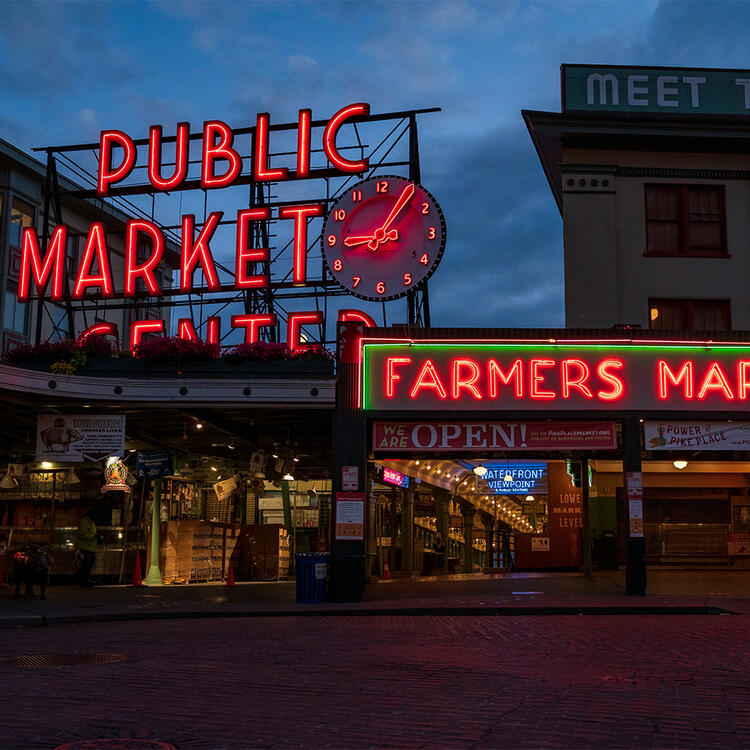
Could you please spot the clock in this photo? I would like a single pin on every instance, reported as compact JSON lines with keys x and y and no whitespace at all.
{"x":383,"y":237}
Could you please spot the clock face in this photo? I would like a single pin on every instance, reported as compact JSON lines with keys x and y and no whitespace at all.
{"x":383,"y":237}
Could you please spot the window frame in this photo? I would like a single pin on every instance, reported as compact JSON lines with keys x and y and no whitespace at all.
{"x":688,"y":304}
{"x":684,"y":221}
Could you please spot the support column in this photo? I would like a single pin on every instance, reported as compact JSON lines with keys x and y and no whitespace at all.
{"x":635,"y":561}
{"x":442,"y":506}
{"x":407,"y":538}
{"x":489,"y":532}
{"x":154,"y":573}
{"x":468,"y":512}
{"x":586,"y":540}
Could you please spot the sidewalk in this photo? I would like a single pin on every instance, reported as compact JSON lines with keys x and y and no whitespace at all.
{"x":669,"y":592}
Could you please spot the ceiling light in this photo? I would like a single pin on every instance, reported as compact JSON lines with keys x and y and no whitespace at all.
{"x":529,"y":498}
{"x":230,"y":446}
{"x":288,"y":478}
{"x":274,"y":455}
{"x":296,"y":460}
{"x":679,"y":464}
{"x":416,"y":463}
{"x":480,"y":471}
{"x":428,"y":466}
{"x":213,"y":468}
{"x":46,"y":465}
{"x":198,"y":426}
{"x":8,"y":482}
{"x":508,"y":476}
{"x":71,"y":477}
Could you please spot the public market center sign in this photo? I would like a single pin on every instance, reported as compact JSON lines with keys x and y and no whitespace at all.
{"x":596,"y":376}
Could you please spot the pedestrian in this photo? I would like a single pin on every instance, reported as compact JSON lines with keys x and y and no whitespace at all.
{"x":86,"y":549}
{"x":439,"y":546}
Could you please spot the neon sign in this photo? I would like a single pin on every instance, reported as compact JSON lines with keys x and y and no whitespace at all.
{"x":394,"y":477}
{"x":516,"y":478}
{"x":222,"y":154}
{"x":535,"y":375}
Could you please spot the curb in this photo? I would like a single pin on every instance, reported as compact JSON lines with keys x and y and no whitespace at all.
{"x":41,"y":620}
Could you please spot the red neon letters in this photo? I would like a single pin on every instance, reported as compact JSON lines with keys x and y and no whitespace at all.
{"x":252,"y":325}
{"x":294,"y":323}
{"x":261,"y":170}
{"x":146,"y":270}
{"x":182,"y":146}
{"x":468,"y":378}
{"x":193,"y":252}
{"x":300,"y":215}
{"x":107,"y":173}
{"x":246,"y":255}
{"x":96,"y":250}
{"x":329,"y":139}
{"x":221,"y":150}
{"x":32,"y":266}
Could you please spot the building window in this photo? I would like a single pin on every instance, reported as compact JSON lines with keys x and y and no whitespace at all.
{"x":689,"y":315}
{"x":685,"y":220}
{"x":21,"y":217}
{"x":14,"y":313}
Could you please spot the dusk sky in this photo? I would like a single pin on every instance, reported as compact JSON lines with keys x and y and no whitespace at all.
{"x":71,"y":69}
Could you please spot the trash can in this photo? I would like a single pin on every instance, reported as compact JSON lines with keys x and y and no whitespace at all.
{"x":347,"y":578}
{"x":311,"y":570}
{"x":607,"y":551}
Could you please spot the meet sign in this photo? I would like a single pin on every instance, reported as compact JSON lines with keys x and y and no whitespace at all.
{"x":619,"y":88}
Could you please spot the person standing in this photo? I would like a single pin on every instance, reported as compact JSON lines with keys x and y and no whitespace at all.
{"x":439,"y":546}
{"x":87,"y":549}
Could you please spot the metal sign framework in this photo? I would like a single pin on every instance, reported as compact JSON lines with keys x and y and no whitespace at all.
{"x":401,"y":136}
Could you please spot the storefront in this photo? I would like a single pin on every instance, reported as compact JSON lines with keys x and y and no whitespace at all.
{"x":477,"y":419}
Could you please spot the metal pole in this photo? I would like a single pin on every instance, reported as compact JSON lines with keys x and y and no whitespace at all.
{"x":154,"y":573}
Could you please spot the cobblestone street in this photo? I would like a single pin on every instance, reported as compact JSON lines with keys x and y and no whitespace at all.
{"x":417,"y":682}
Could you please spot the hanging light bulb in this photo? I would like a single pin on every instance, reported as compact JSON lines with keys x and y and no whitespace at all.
{"x":8,"y":482}
{"x":71,"y":477}
{"x":288,"y":478}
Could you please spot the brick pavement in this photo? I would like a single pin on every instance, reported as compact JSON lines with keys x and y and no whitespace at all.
{"x":388,"y":682}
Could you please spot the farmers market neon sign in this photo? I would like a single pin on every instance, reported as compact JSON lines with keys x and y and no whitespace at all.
{"x":535,"y":375}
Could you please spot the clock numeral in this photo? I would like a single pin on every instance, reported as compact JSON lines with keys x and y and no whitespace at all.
{"x":380,"y":287}
{"x":425,"y":209}
{"x":431,"y":233}
{"x":424,"y":260}
{"x":337,"y":264}
{"x":381,"y":186}
{"x":407,"y":279}
{"x":356,"y":196}
{"x":339,"y":214}
{"x":355,"y":281}
{"x":331,"y":240}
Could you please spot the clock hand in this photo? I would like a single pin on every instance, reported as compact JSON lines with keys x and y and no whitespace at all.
{"x":354,"y":241}
{"x":383,"y":235}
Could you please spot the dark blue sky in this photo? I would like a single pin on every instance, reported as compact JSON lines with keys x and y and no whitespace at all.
{"x":71,"y":69}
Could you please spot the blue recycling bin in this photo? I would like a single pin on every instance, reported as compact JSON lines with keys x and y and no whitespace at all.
{"x":311,"y":569}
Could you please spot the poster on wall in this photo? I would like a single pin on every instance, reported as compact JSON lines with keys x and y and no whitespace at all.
{"x":714,"y":436}
{"x":152,"y":464}
{"x":350,"y":516}
{"x":74,"y":438}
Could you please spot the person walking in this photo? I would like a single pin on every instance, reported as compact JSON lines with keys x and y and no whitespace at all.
{"x":86,"y":549}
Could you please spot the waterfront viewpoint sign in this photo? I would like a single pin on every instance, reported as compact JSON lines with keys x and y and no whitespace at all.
{"x":665,"y":90}
{"x":542,"y":375}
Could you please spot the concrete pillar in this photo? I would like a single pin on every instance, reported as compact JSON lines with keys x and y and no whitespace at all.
{"x":489,"y":532}
{"x":468,"y":512}
{"x":407,"y":539}
{"x":586,"y":541}
{"x":635,"y":564}
{"x":153,"y":578}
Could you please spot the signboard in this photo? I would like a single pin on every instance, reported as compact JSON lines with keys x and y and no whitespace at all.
{"x":544,"y":375}
{"x":697,"y":435}
{"x":350,"y":478}
{"x":153,"y":464}
{"x":515,"y":478}
{"x":77,"y":437}
{"x":305,"y":518}
{"x":115,"y":476}
{"x":350,"y":516}
{"x":225,"y":488}
{"x":634,"y":491}
{"x":405,"y":437}
{"x":394,"y":477}
{"x":593,"y":88}
{"x":540,"y":544}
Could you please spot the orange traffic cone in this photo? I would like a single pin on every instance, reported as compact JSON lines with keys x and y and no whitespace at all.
{"x":137,"y":578}
{"x":387,"y":572}
{"x":230,"y":576}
